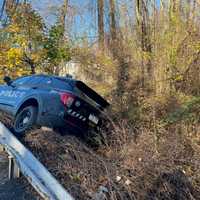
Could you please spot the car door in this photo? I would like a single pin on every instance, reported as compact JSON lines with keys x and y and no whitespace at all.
{"x":50,"y":97}
{"x":6,"y":95}
{"x":11,"y":94}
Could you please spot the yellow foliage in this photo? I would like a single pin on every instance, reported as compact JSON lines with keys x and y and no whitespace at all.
{"x":13,"y":28}
{"x":14,"y":56}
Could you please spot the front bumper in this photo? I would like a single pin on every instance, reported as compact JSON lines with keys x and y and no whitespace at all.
{"x":8,"y":110}
{"x":6,"y":118}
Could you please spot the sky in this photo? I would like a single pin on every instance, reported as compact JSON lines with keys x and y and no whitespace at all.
{"x":81,"y":25}
{"x":84,"y":23}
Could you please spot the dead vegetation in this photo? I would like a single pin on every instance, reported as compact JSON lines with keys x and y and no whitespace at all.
{"x":160,"y":161}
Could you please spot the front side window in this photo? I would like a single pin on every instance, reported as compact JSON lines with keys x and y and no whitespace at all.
{"x":22,"y":81}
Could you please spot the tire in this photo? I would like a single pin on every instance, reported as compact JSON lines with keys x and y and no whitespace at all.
{"x":24,"y":120}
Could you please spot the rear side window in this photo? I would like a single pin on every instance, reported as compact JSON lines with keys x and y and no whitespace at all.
{"x":61,"y":84}
{"x":46,"y":81}
{"x":35,"y":80}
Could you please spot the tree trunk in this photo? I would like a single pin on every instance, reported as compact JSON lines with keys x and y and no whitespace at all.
{"x":30,"y":62}
{"x":113,"y":27}
{"x":63,"y":15}
{"x":62,"y":41}
{"x":120,"y":55}
{"x":101,"y":23}
{"x":142,"y":16}
{"x":193,"y":10}
{"x":161,"y":5}
{"x":188,"y":10}
{"x":174,"y":8}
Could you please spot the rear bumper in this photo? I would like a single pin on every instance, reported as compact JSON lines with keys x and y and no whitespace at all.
{"x":73,"y":128}
{"x":56,"y":121}
{"x":74,"y":125}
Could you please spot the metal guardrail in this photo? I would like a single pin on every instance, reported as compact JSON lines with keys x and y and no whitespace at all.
{"x":38,"y":176}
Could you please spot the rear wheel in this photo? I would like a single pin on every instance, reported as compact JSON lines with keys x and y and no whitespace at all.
{"x":24,"y":120}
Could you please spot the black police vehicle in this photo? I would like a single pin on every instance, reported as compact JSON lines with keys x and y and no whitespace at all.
{"x":51,"y":101}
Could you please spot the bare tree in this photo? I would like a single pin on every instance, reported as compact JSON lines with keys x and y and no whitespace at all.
{"x":8,"y":6}
{"x":142,"y":16}
{"x":100,"y":8}
{"x":62,"y":23}
{"x":193,"y":10}
{"x":188,"y":10}
{"x":113,"y":26}
{"x":173,"y":7}
{"x":120,"y":55}
{"x":63,"y":14}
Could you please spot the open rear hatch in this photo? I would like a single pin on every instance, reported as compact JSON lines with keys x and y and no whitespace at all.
{"x":91,"y":94}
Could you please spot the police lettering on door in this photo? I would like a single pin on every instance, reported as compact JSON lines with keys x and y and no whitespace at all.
{"x":10,"y":93}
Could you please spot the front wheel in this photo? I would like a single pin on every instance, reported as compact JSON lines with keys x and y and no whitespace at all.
{"x":24,"y":120}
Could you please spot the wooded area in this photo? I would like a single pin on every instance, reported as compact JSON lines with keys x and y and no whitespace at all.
{"x":154,"y":43}
{"x":144,"y":57}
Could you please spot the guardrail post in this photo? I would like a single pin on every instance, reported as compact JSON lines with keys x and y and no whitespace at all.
{"x":13,"y":171}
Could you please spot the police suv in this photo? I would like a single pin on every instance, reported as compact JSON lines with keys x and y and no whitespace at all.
{"x":51,"y":101}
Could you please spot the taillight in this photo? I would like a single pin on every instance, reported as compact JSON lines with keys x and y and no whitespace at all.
{"x":67,"y":99}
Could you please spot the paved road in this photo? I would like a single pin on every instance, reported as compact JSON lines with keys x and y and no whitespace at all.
{"x":12,"y":190}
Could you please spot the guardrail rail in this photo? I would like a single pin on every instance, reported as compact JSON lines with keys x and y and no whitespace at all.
{"x":37,"y":175}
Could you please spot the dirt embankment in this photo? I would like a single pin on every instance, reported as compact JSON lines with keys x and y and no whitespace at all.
{"x":134,"y":172}
{"x":126,"y":167}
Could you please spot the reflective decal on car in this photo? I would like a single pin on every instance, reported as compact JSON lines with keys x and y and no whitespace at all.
{"x":10,"y":93}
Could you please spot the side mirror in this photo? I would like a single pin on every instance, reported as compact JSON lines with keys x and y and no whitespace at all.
{"x":7,"y":80}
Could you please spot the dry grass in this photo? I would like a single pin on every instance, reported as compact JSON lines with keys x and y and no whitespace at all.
{"x":168,"y":170}
{"x":133,"y":164}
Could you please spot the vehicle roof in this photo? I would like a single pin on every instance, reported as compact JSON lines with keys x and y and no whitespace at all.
{"x":63,"y":78}
{"x":58,"y":77}
{"x":80,"y":85}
